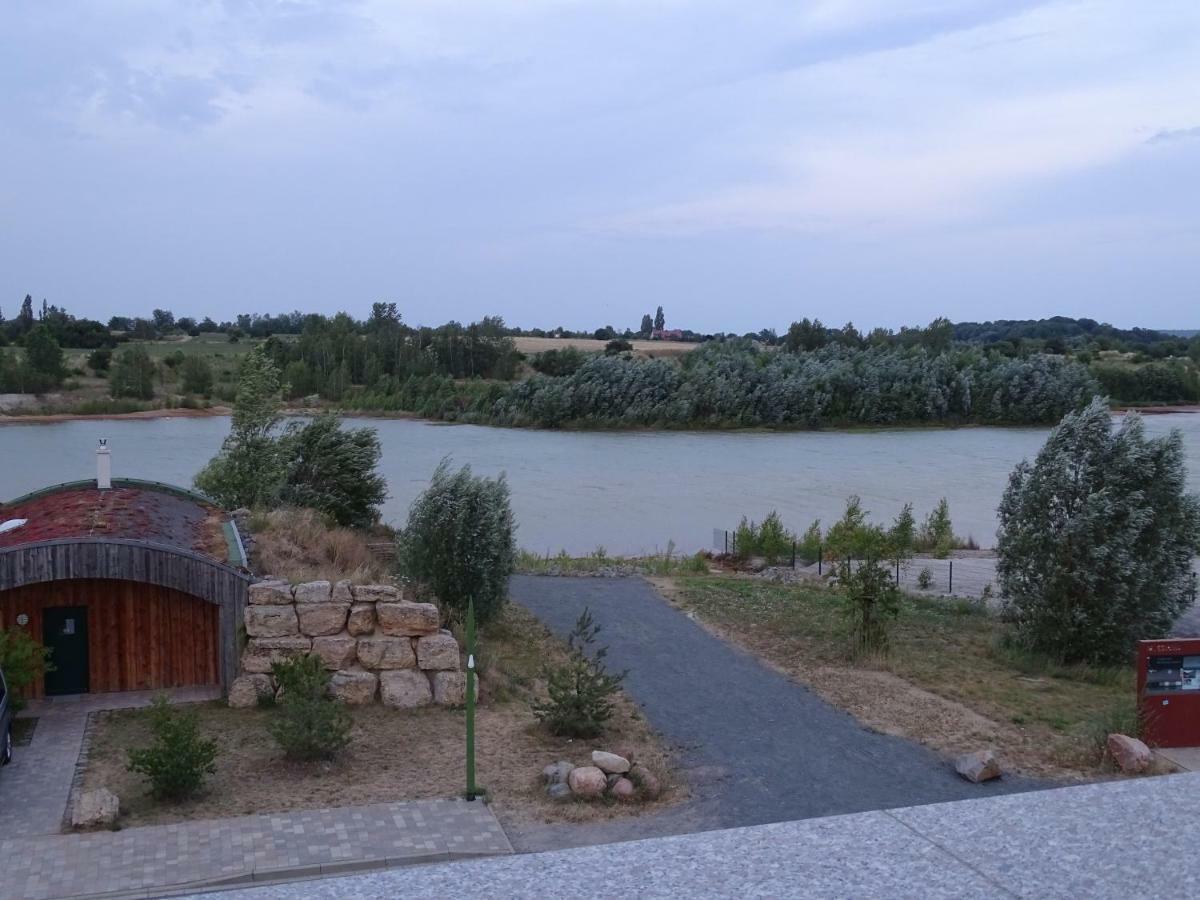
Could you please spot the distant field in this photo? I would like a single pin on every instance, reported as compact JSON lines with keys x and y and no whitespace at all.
{"x":214,"y":343}
{"x":645,"y":348}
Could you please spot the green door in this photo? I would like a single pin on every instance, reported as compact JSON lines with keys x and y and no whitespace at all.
{"x":64,"y":631}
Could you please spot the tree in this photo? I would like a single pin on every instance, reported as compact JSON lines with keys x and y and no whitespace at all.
{"x":1096,"y":538}
{"x":164,"y":320}
{"x":660,"y":320}
{"x":647,"y":325}
{"x":332,"y":469}
{"x":196,"y":375}
{"x":132,"y":374}
{"x":43,"y":355}
{"x":180,"y":758}
{"x":459,"y":540}
{"x":99,"y":360}
{"x":617,"y":346}
{"x":580,"y":691}
{"x":310,"y":724}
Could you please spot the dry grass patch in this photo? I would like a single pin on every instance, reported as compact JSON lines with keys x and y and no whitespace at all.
{"x":654,"y":349}
{"x":948,"y":680}
{"x":299,"y":545}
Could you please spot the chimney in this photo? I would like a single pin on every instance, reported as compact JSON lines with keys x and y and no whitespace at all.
{"x":103,"y":466}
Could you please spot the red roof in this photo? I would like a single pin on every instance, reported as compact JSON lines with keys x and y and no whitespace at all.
{"x":160,"y":516}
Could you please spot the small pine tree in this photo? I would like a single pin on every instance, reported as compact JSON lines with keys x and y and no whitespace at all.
{"x":580,"y":690}
{"x":872,"y":605}
{"x":310,"y":724}
{"x":179,"y":759}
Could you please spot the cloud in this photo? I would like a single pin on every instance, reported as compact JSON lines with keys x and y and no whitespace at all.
{"x":1169,"y":136}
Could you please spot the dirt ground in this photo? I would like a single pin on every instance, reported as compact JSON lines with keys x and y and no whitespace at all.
{"x":642,"y":348}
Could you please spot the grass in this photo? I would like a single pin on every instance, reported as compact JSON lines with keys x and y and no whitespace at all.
{"x":298,"y":544}
{"x":668,"y":562}
{"x":951,"y":672}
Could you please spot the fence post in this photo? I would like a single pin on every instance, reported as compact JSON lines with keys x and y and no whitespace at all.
{"x":820,"y":557}
{"x":897,"y":573}
{"x":793,"y":554}
{"x":950,"y":590}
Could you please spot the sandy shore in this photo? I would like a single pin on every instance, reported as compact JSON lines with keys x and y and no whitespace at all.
{"x":49,"y":418}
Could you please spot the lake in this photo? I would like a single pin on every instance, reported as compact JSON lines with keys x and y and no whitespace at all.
{"x":627,"y":491}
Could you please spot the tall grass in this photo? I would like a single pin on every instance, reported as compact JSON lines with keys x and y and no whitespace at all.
{"x":299,"y":545}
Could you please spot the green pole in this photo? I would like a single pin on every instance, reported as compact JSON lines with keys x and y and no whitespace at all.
{"x":471,"y":788}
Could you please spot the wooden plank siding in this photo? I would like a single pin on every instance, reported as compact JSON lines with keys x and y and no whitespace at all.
{"x":140,"y":636}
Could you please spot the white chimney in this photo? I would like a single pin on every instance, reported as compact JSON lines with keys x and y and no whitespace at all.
{"x":103,"y":466}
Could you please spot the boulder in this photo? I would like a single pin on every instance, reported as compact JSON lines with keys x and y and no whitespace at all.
{"x":557,"y":773}
{"x":354,"y":687}
{"x":610,"y":763}
{"x":272,"y":592}
{"x":96,"y":809}
{"x":260,"y":653}
{"x":622,"y":789}
{"x":321,"y":618}
{"x":362,"y":619}
{"x":386,"y":653}
{"x":406,"y":619}
{"x":646,"y":781}
{"x":376,"y":593}
{"x":342,"y":592}
{"x":449,"y":688}
{"x":587,"y":781}
{"x":313,"y":592}
{"x":438,"y":651}
{"x":559,"y":792}
{"x":981,"y":765}
{"x":245,"y":690}
{"x":404,"y":689}
{"x":336,"y":652}
{"x":271,"y":621}
{"x":1131,"y":755}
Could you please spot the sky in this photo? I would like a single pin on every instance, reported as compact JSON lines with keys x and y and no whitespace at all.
{"x":576,"y":163}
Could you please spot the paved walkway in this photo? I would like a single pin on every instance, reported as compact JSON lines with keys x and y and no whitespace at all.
{"x":1105,"y":841}
{"x":756,"y":746}
{"x":159,"y":859}
{"x":35,"y":787}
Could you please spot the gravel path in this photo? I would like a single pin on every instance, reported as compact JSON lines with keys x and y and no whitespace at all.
{"x":755,"y":746}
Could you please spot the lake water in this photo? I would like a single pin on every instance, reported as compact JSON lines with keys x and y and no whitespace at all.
{"x":627,"y":491}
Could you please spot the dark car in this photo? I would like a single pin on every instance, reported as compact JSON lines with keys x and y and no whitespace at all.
{"x":6,"y":720}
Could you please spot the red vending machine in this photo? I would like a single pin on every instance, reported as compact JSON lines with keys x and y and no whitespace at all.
{"x":1169,"y":692}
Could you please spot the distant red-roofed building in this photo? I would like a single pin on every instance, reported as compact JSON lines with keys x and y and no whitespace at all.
{"x":666,"y":334}
{"x":134,"y":585}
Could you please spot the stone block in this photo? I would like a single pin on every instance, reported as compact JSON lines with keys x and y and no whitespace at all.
{"x":386,"y":653}
{"x":354,"y":687}
{"x":979,"y":766}
{"x":449,"y":688}
{"x":96,"y":809}
{"x":404,"y":689}
{"x":313,"y":592}
{"x":438,"y":651}
{"x":610,"y":763}
{"x":376,"y":593}
{"x":342,"y":592}
{"x":322,"y":618}
{"x":362,"y":619}
{"x":335,"y":652}
{"x":245,"y":691}
{"x":587,"y":782}
{"x":271,"y":621}
{"x":260,"y":653}
{"x":1131,"y":755}
{"x":407,"y":619}
{"x":274,"y":592}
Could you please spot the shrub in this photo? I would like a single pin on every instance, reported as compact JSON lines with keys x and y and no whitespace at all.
{"x":309,"y":723}
{"x":925,"y":579}
{"x":23,"y":661}
{"x":132,"y":374}
{"x":937,"y":533}
{"x":872,"y":605}
{"x":809,"y":548}
{"x":332,"y":469}
{"x":179,"y":759}
{"x":459,"y":540}
{"x":1096,"y":538}
{"x":99,"y":360}
{"x":580,"y":691}
{"x":196,"y":375}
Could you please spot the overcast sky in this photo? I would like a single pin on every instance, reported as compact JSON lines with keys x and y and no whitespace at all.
{"x":742,"y":162}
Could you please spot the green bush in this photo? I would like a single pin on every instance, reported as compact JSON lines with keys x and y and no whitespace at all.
{"x":333,"y":470}
{"x":459,"y":540}
{"x":937,"y":533}
{"x":132,"y":374}
{"x":309,"y":723}
{"x":872,"y":605}
{"x":196,"y":375}
{"x":770,"y":540}
{"x":23,"y":661}
{"x":580,"y":690}
{"x":179,"y":759}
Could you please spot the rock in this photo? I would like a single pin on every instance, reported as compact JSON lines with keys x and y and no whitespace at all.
{"x":438,"y":651}
{"x":626,"y":751}
{"x":646,"y":781}
{"x":376,"y":593}
{"x":622,"y":789}
{"x":321,"y":618}
{"x":260,"y":653}
{"x":271,"y":621}
{"x":354,"y":687}
{"x":245,"y":690}
{"x":559,"y":792}
{"x":335,"y":652}
{"x":271,"y":592}
{"x":610,"y":763}
{"x":981,"y":765}
{"x":342,"y":592}
{"x":404,"y":689}
{"x":558,"y":772}
{"x":96,"y":809}
{"x":313,"y":592}
{"x":362,"y":619}
{"x":449,"y":688}
{"x":407,"y":619}
{"x":1131,"y":755}
{"x":386,"y":653}
{"x":587,"y":781}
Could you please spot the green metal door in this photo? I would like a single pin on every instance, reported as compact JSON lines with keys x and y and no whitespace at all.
{"x":64,"y":631}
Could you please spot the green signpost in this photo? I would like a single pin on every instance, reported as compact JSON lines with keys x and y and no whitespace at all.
{"x":472,"y":789}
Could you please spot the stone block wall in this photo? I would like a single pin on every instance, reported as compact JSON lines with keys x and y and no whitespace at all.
{"x":379,"y":644}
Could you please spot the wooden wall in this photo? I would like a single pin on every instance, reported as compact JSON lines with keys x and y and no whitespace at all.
{"x":140,"y":636}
